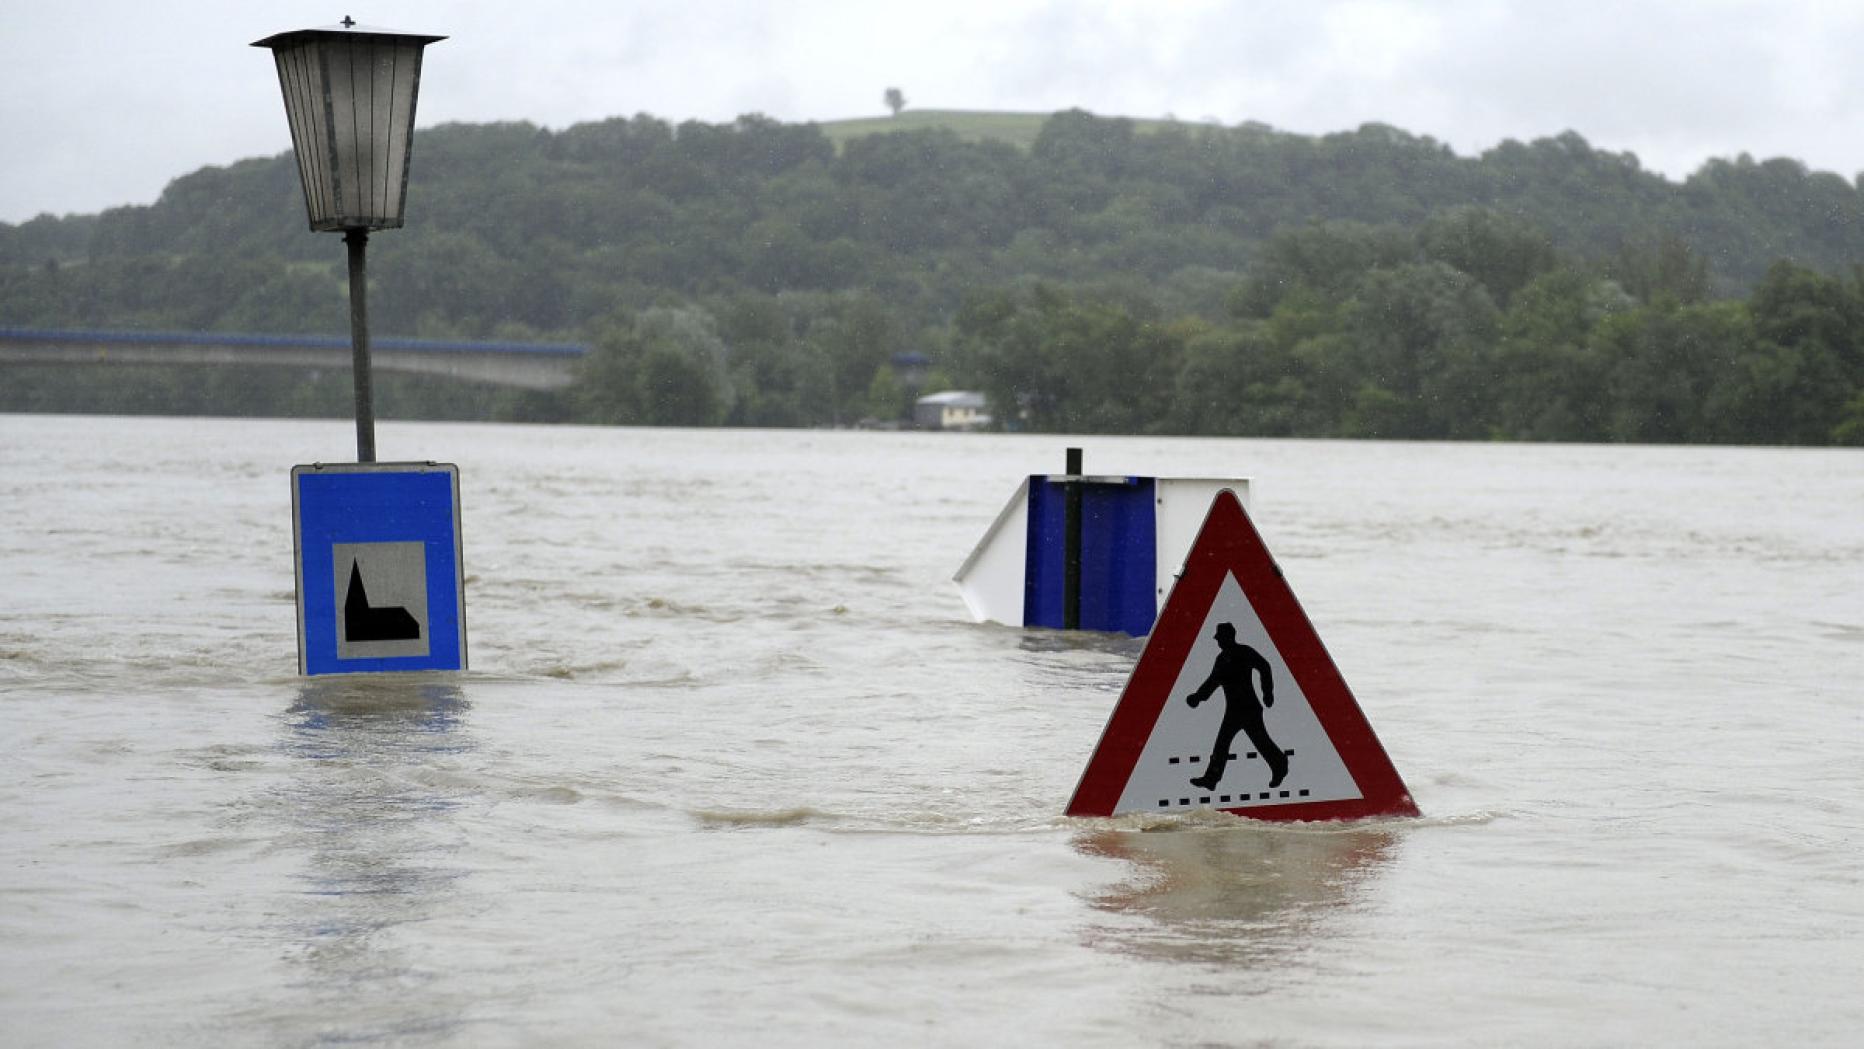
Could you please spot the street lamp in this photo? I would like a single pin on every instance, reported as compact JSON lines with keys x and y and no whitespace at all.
{"x":349,"y":97}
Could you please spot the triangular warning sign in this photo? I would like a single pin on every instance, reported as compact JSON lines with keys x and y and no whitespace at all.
{"x":1274,"y":733}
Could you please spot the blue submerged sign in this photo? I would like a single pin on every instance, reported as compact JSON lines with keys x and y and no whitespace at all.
{"x":1118,"y":580}
{"x":380,"y":579}
{"x":1071,"y":551}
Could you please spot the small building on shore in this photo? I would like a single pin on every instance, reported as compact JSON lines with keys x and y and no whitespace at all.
{"x":951,"y":410}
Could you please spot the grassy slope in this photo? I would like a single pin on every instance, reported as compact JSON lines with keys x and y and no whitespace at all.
{"x":1018,"y":129}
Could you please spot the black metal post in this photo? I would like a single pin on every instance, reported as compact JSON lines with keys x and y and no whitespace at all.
{"x":1071,"y":545}
{"x":358,"y":238}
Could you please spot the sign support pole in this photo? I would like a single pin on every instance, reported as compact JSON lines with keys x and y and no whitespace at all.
{"x":357,"y":238}
{"x":1071,"y":545}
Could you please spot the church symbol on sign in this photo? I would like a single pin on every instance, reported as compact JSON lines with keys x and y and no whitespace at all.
{"x":381,"y":594}
{"x":363,"y":622}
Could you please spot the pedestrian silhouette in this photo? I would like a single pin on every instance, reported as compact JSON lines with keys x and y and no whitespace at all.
{"x":1241,"y":710}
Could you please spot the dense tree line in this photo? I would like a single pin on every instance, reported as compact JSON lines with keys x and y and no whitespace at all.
{"x":1468,"y":328}
{"x":1109,"y":278}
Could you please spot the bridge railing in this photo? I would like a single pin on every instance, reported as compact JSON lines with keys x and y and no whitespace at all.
{"x":215,"y":338}
{"x":531,"y":365}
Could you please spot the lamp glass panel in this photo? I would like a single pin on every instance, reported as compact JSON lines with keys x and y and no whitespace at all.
{"x":350,"y":102}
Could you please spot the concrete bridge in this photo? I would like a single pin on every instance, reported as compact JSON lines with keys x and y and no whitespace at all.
{"x":526,"y":365}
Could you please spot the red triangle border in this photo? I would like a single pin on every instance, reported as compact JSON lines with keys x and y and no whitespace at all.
{"x":1228,"y":543}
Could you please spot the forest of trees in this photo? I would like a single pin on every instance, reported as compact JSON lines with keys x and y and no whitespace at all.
{"x":1110,"y":278}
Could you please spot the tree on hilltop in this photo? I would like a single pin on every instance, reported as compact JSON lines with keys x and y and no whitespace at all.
{"x":895,"y":100}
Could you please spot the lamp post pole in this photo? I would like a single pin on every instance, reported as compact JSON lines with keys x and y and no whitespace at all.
{"x":380,"y":578}
{"x":357,"y":238}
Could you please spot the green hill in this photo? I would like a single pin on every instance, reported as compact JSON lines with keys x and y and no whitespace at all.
{"x":1089,"y":273}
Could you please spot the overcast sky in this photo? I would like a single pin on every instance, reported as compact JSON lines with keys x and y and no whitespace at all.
{"x":102,"y":102}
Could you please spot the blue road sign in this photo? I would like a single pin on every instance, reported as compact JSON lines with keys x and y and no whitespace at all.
{"x":380,"y":579}
{"x":1118,"y":566}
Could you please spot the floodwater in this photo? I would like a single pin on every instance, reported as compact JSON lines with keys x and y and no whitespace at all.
{"x":733,"y":767}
